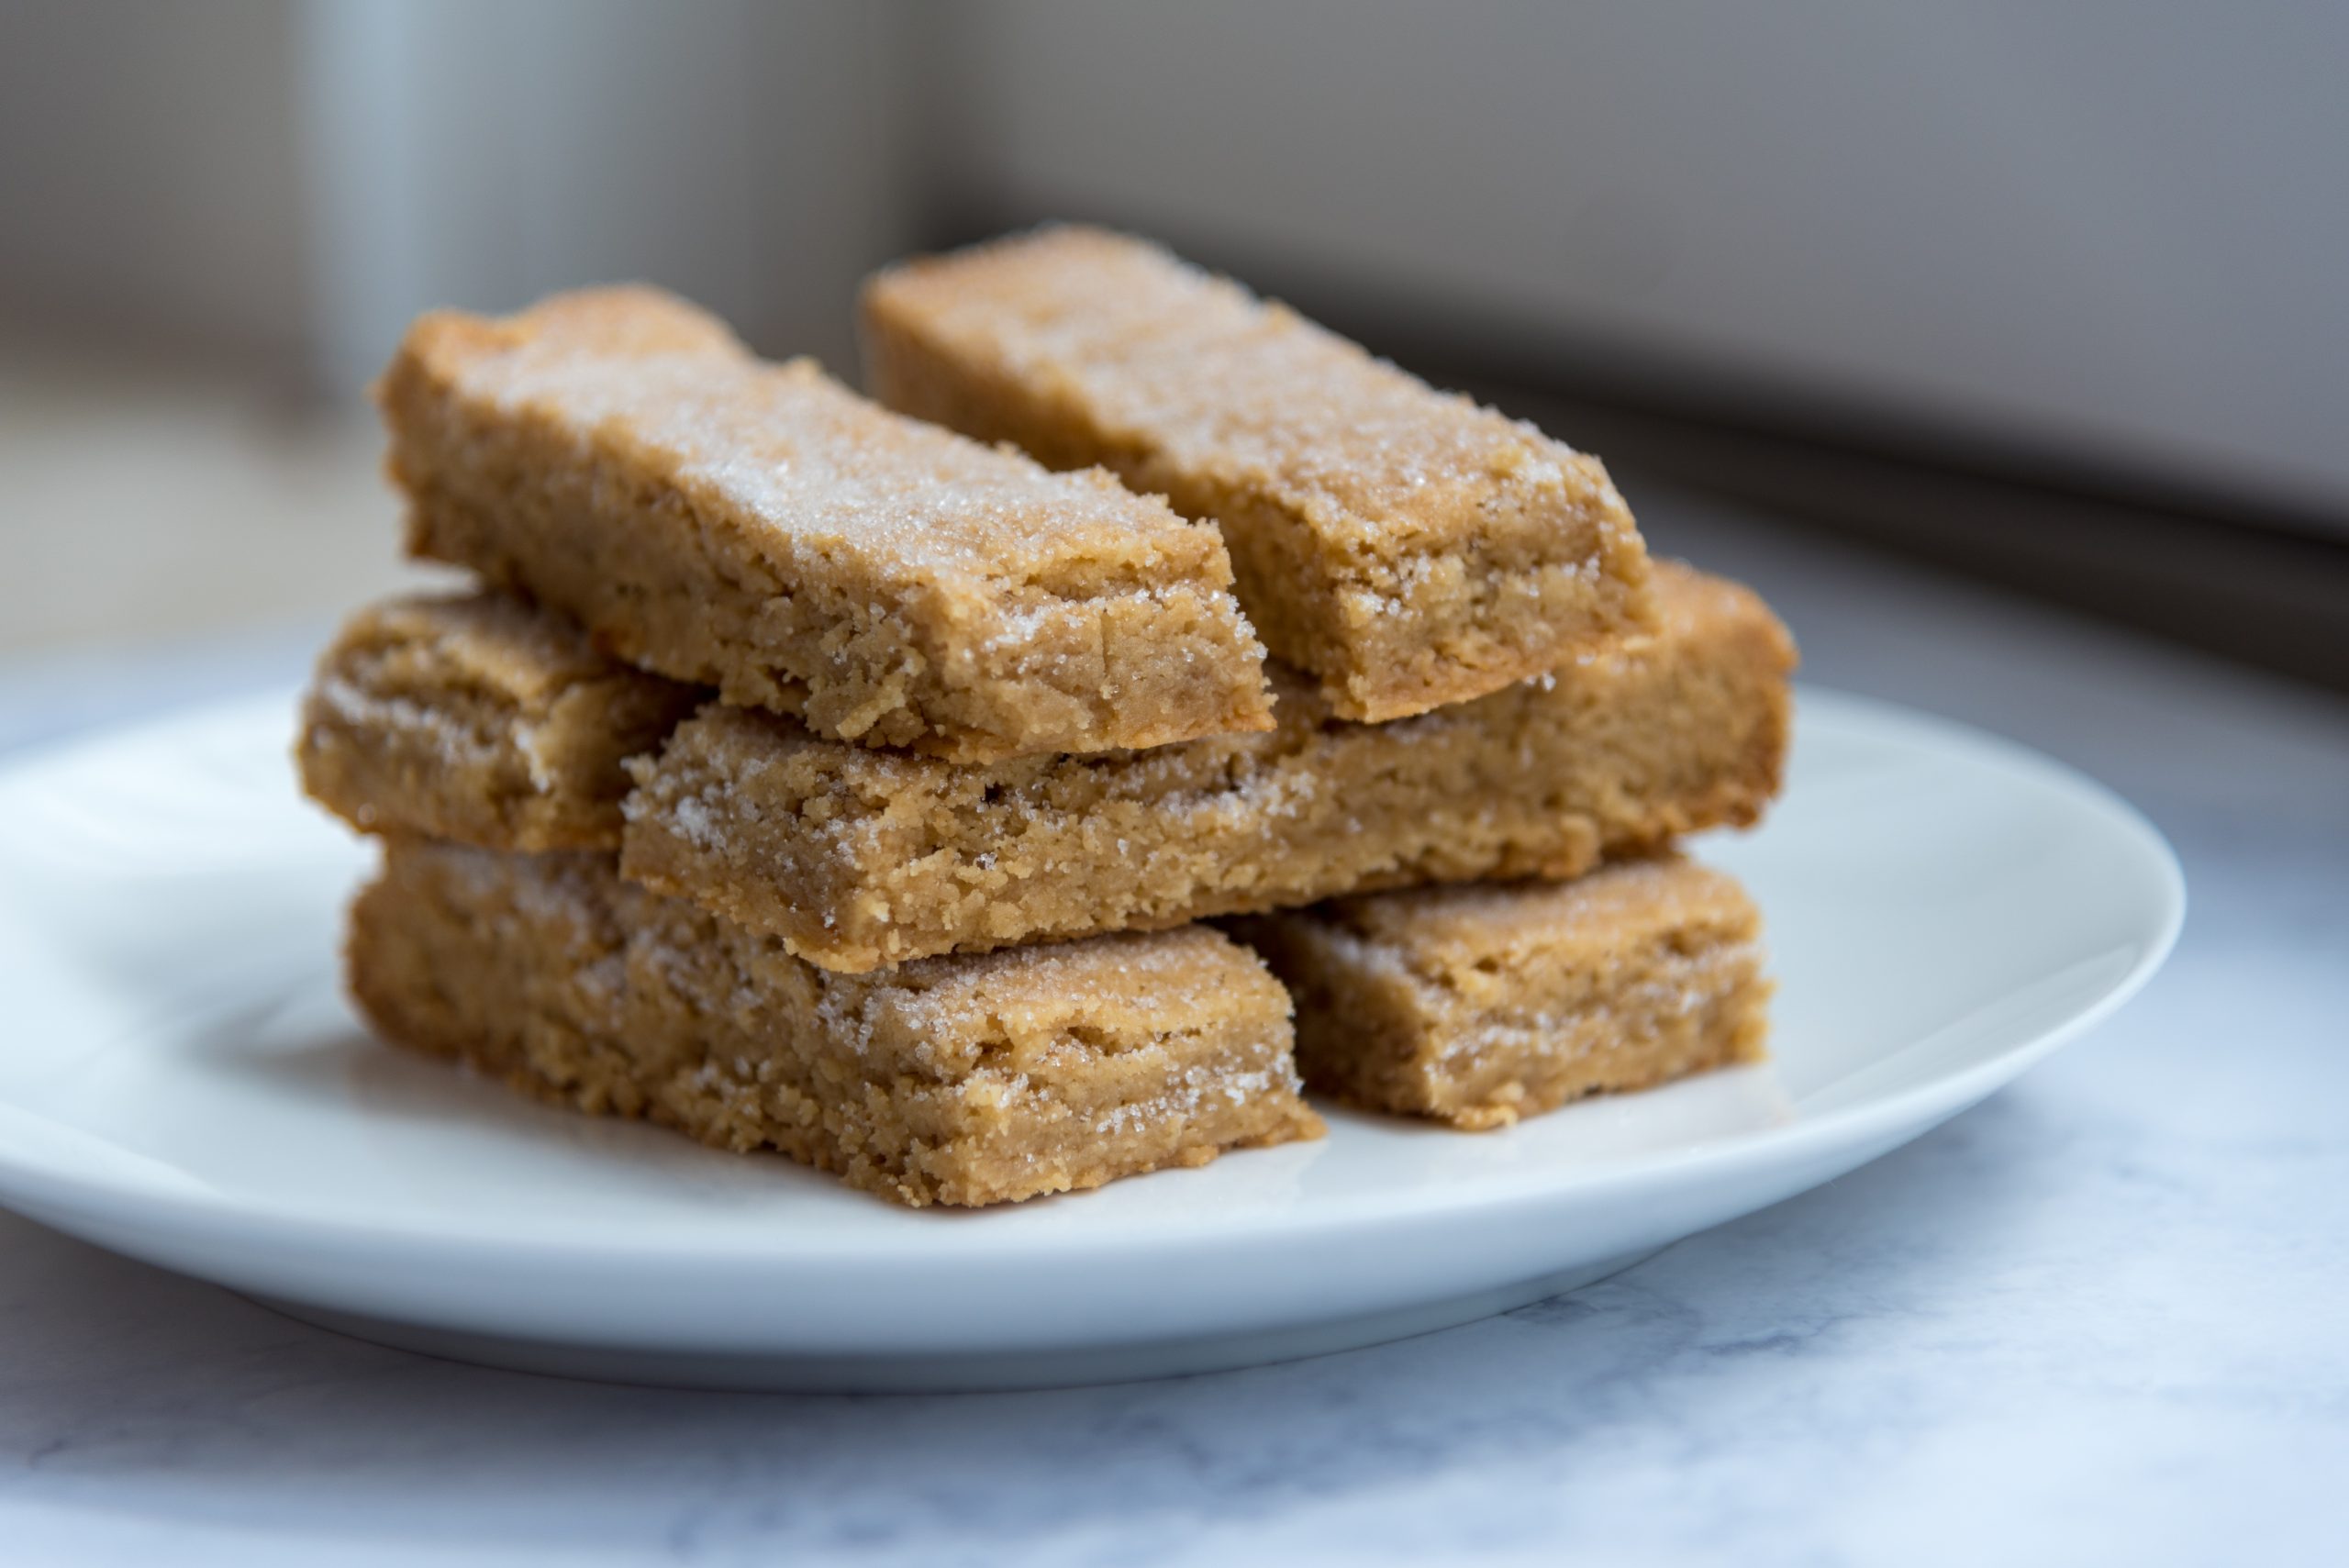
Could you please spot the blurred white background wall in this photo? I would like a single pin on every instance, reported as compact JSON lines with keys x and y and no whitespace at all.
{"x":2116,"y":227}
{"x":757,"y":156}
{"x":292,"y":180}
{"x":149,"y":176}
{"x":2108,"y":233}
{"x":2113,"y":227}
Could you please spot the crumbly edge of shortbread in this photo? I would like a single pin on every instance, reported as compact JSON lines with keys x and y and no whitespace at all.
{"x":1479,"y":1007}
{"x":1421,"y":593}
{"x":960,"y":1081}
{"x":480,"y":719}
{"x":858,"y":859}
{"x":1095,"y":637}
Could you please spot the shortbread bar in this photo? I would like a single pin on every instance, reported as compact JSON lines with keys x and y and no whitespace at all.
{"x":479,"y":718}
{"x":857,"y":858}
{"x":1405,"y":547}
{"x":958,"y":1081}
{"x":759,"y":528}
{"x":1480,"y":1005}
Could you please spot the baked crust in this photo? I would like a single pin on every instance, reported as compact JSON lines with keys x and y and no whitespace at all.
{"x":761,"y":528}
{"x":1405,"y":547}
{"x":1479,"y":1005}
{"x":479,"y":718}
{"x":858,"y":859}
{"x":960,"y":1081}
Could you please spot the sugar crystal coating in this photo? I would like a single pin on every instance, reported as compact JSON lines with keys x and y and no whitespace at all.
{"x":856,"y":858}
{"x":1407,"y":547}
{"x":959,"y":1081}
{"x":1481,"y":1005}
{"x":479,"y":718}
{"x":761,"y":528}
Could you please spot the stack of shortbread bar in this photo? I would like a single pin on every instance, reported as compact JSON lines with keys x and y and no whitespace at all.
{"x":811,"y":775}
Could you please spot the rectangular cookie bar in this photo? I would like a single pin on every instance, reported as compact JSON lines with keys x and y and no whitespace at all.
{"x":958,"y":1081}
{"x":857,"y":858}
{"x":1479,"y":1005}
{"x":480,"y":718}
{"x":1405,"y":547}
{"x":758,"y":527}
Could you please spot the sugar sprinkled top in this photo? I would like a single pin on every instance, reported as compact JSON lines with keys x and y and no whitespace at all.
{"x":1193,"y":367}
{"x":1435,"y":927}
{"x":793,"y":458}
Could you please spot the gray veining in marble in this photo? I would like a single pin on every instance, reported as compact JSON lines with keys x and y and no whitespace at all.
{"x":2102,"y":1318}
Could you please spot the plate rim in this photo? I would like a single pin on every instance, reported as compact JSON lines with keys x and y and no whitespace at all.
{"x":30,"y":1183}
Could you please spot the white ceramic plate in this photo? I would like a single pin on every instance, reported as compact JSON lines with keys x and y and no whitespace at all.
{"x":181,"y":1083}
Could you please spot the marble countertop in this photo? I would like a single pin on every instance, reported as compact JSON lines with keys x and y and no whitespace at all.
{"x":2099,"y":1319}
